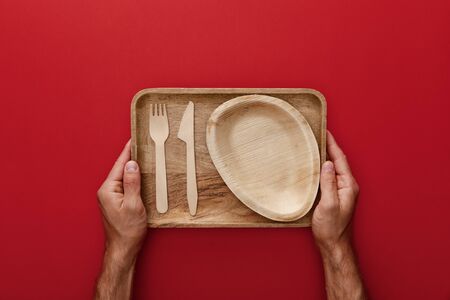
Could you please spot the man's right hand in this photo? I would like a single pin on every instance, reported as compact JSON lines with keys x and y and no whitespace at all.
{"x":333,"y":214}
{"x":331,"y":226}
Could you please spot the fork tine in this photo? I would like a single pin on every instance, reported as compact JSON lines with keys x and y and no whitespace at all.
{"x":158,"y":110}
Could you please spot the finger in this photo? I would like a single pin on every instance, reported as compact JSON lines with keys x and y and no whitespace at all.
{"x":337,"y":156}
{"x":116,"y":172}
{"x":131,"y":181}
{"x":328,"y":186}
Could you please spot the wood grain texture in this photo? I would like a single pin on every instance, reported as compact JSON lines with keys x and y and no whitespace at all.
{"x":267,"y":154}
{"x":217,"y":205}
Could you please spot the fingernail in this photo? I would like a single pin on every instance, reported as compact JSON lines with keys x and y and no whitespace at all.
{"x":328,"y":166}
{"x":131,"y":166}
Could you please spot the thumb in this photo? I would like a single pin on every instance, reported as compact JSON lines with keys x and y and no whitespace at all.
{"x":328,"y":186}
{"x":131,"y":180}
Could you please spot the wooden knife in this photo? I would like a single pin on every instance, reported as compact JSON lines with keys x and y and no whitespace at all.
{"x":186,"y":134}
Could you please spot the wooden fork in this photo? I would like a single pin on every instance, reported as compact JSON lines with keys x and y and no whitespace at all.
{"x":159,"y":131}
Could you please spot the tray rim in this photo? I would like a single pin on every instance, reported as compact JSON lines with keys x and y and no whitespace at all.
{"x":231,"y":91}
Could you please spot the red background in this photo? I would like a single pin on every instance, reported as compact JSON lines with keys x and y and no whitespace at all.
{"x":68,"y":71}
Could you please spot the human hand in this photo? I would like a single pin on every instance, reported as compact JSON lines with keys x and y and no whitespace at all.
{"x":332,"y":216}
{"x":124,"y":215}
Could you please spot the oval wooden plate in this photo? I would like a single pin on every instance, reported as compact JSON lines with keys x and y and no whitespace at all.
{"x":266,"y":153}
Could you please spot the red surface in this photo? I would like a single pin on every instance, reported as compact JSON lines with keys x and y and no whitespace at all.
{"x":68,"y":71}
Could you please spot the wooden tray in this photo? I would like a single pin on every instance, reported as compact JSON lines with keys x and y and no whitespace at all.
{"x":217,"y":206}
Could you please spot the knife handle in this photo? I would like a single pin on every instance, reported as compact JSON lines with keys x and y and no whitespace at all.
{"x":161,"y":179}
{"x":191,"y":178}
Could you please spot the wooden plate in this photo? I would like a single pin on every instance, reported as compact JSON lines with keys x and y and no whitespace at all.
{"x":266,"y":153}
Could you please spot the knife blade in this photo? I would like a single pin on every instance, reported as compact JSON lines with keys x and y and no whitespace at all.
{"x":186,"y":134}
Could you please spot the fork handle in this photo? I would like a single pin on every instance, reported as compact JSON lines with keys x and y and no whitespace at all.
{"x":161,"y":179}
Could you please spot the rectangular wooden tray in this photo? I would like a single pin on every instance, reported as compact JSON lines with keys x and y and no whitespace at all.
{"x":217,"y":205}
